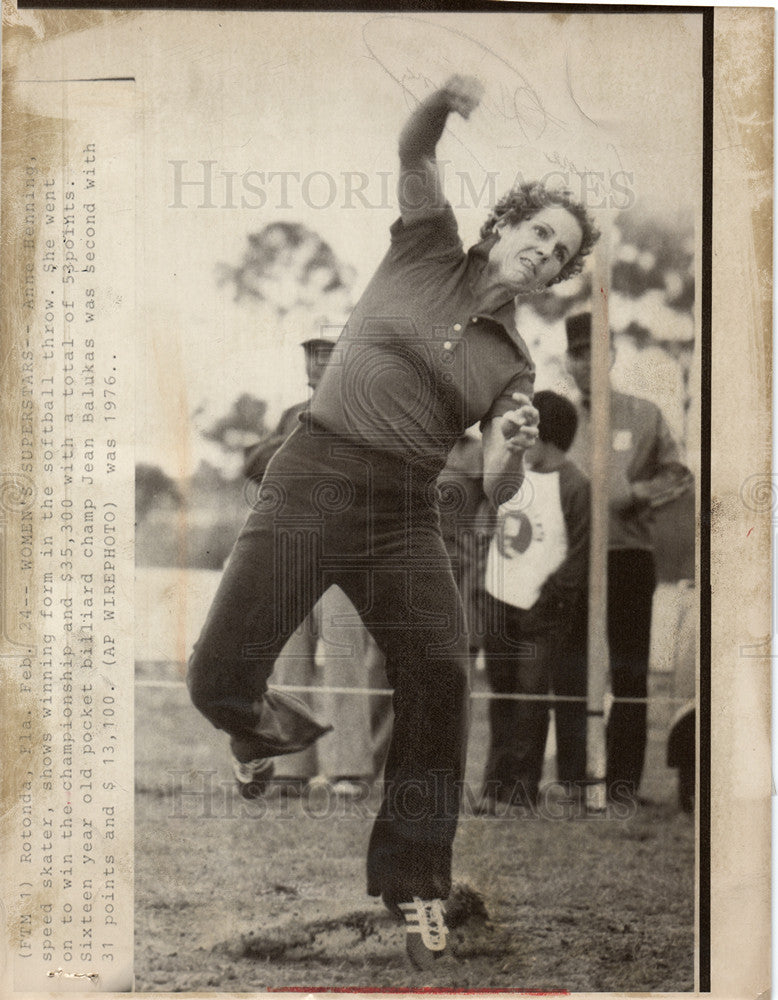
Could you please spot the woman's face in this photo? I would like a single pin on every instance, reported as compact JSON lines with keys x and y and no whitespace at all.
{"x":529,"y":255}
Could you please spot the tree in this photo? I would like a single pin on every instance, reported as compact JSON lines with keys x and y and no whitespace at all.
{"x":151,"y":486}
{"x":242,"y":426}
{"x":654,"y":255}
{"x":289,"y":266}
{"x":296,"y":285}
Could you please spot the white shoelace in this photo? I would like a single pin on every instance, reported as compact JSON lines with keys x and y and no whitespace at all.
{"x":428,"y":918}
{"x":251,"y":770}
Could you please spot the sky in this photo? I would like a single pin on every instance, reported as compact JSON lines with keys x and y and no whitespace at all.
{"x":296,"y":116}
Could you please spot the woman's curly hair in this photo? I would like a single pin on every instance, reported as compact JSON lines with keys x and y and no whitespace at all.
{"x":525,"y":200}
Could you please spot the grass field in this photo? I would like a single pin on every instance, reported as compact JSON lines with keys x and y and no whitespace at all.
{"x":244,"y":897}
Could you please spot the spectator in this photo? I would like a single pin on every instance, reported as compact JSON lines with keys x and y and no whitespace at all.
{"x":331,"y":645}
{"x":352,"y":755}
{"x":317,"y":353}
{"x":535,"y":575}
{"x":645,"y":472}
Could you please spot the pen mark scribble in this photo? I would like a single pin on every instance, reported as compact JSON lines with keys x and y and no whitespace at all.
{"x":516,"y":103}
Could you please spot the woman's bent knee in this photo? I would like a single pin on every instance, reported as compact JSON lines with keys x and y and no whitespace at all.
{"x":199,"y":681}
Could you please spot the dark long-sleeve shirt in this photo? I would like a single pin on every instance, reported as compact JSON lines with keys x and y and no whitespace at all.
{"x":418,"y":362}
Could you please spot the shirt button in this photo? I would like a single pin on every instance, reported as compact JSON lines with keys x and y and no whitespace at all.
{"x":474,"y":319}
{"x":447,"y":344}
{"x":457,"y":327}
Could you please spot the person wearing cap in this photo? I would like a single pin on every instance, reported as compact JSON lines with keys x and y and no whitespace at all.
{"x":645,"y":472}
{"x":317,"y":353}
{"x":430,"y":349}
{"x":332,"y":643}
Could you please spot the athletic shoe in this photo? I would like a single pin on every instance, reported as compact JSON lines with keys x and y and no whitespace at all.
{"x":425,"y":931}
{"x":253,"y":776}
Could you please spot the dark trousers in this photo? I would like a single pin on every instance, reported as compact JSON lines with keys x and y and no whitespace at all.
{"x":527,"y":661}
{"x":631,"y":584}
{"x":569,"y":678}
{"x":332,"y":512}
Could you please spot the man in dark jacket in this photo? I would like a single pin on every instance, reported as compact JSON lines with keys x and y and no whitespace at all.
{"x":317,"y":354}
{"x":645,"y":472}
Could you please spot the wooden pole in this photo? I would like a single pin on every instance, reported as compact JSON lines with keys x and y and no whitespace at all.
{"x":598,"y":659}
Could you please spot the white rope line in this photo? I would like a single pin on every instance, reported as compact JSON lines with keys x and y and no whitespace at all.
{"x":475,"y":695}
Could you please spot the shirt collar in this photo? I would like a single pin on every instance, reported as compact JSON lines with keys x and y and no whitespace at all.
{"x":480,"y":251}
{"x":477,"y":256}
